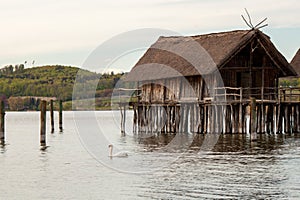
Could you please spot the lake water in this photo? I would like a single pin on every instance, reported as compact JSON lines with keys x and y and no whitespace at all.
{"x":76,"y":163}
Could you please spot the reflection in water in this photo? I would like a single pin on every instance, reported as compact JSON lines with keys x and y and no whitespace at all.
{"x":2,"y":148}
{"x":224,"y":142}
{"x":236,"y":167}
{"x":44,"y":148}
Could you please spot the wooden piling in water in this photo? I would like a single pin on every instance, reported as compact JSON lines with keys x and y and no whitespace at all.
{"x":270,"y":120}
{"x":240,"y":123}
{"x":135,"y":119}
{"x":51,"y":116}
{"x":122,"y":111}
{"x":2,"y":122}
{"x":297,"y":118}
{"x":279,"y":118}
{"x":60,"y":116}
{"x":43,"y":123}
{"x":253,"y":117}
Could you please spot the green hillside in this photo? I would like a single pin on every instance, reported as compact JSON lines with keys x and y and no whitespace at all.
{"x":48,"y":81}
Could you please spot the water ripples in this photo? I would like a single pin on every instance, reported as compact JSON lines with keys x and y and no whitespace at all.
{"x":235,"y":168}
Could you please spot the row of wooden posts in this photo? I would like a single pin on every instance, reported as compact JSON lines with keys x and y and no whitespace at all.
{"x":250,"y":116}
{"x":43,"y":110}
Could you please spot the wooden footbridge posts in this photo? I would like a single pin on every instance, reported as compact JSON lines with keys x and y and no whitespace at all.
{"x":60,"y":116}
{"x":51,"y":116}
{"x":43,"y":123}
{"x":43,"y":110}
{"x":2,"y":122}
{"x":253,"y":117}
{"x":123,"y":118}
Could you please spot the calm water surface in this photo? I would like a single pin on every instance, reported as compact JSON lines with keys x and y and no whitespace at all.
{"x":235,"y":168}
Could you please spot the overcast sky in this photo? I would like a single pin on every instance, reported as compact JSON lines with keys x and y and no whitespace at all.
{"x":67,"y":31}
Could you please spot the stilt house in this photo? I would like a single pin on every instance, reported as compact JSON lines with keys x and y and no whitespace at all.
{"x":204,"y":84}
{"x":175,"y":69}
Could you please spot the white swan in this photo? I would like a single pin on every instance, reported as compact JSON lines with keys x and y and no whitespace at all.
{"x":119,"y":154}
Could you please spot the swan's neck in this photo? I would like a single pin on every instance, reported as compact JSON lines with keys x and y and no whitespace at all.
{"x":110,"y":151}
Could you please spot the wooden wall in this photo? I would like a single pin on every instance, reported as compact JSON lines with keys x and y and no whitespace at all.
{"x":177,"y":89}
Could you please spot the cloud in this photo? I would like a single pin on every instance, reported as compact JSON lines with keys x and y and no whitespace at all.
{"x":36,"y":27}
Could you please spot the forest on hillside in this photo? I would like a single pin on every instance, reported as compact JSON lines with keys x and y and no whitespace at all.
{"x":20,"y":87}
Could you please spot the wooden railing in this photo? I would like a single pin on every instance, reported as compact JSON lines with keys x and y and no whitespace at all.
{"x":281,"y":94}
{"x":289,"y":94}
{"x":226,"y":95}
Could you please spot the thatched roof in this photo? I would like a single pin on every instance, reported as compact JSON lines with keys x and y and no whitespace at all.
{"x":199,"y":55}
{"x":296,"y":62}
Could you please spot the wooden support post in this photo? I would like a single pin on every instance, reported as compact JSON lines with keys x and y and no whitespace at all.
{"x":289,"y":118}
{"x":232,"y":127}
{"x":236,"y":118}
{"x":258,"y":118}
{"x":240,"y":129}
{"x":151,"y":119}
{"x":205,"y":115}
{"x":155,"y":113}
{"x":43,"y":123}
{"x":60,"y":116}
{"x":223,"y":118}
{"x":123,"y":116}
{"x":274,"y":118}
{"x":294,"y":116}
{"x":192,"y":119}
{"x":181,"y":121}
{"x":168,"y":119}
{"x":186,"y":118}
{"x":280,"y":116}
{"x":216,"y":124}
{"x":197,"y":114}
{"x":124,"y":119}
{"x":121,"y":112}
{"x":148,"y":119}
{"x":263,"y":118}
{"x":2,"y":122}
{"x":202,"y":113}
{"x":172,"y":119}
{"x":135,"y":118}
{"x":270,"y":121}
{"x":210,"y":118}
{"x":177,"y":119}
{"x":51,"y":116}
{"x":227,"y":119}
{"x":245,"y":114}
{"x":143,"y":119}
{"x":253,"y":121}
{"x":287,"y":121}
{"x":220,"y":118}
{"x":158,"y":117}
{"x":164,"y":122}
{"x":297,"y":119}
